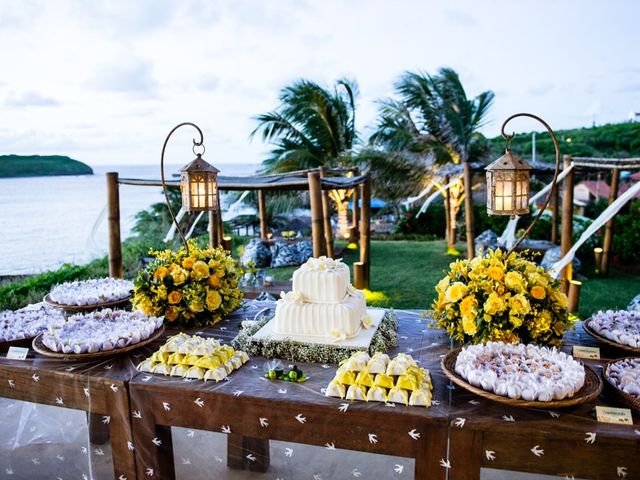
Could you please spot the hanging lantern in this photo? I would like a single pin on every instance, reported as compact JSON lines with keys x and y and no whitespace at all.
{"x":508,"y":186}
{"x":199,"y":185}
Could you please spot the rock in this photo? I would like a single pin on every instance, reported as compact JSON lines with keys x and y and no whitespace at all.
{"x":552,"y":255}
{"x":257,"y":251}
{"x":486,"y":240}
{"x":634,"y":305}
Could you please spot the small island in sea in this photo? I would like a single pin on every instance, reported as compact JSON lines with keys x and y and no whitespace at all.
{"x":41,"y":165}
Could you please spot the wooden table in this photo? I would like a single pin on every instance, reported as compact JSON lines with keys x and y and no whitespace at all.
{"x":568,"y":442}
{"x":253,"y":410}
{"x":99,"y":388}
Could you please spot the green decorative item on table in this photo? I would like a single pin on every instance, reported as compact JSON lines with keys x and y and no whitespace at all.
{"x":191,"y":289}
{"x":275,"y":371}
{"x":501,"y":298}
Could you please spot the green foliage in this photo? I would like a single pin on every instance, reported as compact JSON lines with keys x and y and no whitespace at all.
{"x":626,"y":238}
{"x":431,"y":222}
{"x":619,"y":140}
{"x":41,"y":165}
{"x":311,"y":127}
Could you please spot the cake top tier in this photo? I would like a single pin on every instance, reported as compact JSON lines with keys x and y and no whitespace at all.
{"x":322,"y":280}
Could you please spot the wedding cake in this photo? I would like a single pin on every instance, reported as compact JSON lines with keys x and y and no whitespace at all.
{"x":322,"y":303}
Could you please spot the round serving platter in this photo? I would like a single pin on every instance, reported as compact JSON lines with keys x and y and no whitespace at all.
{"x":86,"y":308}
{"x":589,"y":391}
{"x":587,"y":328}
{"x":42,"y":349}
{"x":629,"y":400}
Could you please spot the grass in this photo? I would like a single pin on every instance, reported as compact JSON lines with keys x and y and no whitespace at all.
{"x":403,"y":275}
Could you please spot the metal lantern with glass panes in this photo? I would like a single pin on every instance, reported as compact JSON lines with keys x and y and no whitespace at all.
{"x":508,"y":186}
{"x":199,"y":185}
{"x":508,"y":181}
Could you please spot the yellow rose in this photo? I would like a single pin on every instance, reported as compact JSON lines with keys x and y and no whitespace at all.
{"x":538,"y":292}
{"x":494,"y":304}
{"x":537,"y":279}
{"x":174,"y":297}
{"x":515,"y":320}
{"x":179,"y":276}
{"x":519,"y":304}
{"x":160,"y":273}
{"x":200,"y":270}
{"x":495,"y":272}
{"x":188,"y":263}
{"x":213,"y":300}
{"x":558,"y":297}
{"x":162,"y":292}
{"x":469,"y":326}
{"x":455,"y":292}
{"x":196,"y":305}
{"x":443,"y":284}
{"x":468,"y":307}
{"x":214,"y":281}
{"x":171,"y":314}
{"x":514,"y":281}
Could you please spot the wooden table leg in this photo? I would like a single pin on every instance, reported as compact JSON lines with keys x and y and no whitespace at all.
{"x":258,"y":448}
{"x":465,"y":454}
{"x":235,"y":451}
{"x":432,"y":449}
{"x":98,"y":430}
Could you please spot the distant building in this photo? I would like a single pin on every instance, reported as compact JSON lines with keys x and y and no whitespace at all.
{"x":589,"y":190}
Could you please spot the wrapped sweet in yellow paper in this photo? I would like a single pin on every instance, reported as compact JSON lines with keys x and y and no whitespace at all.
{"x":407,"y":381}
{"x":146,"y":365}
{"x":175,"y":358}
{"x":335,"y":389}
{"x":160,"y":357}
{"x":364,"y":378}
{"x":377,"y":394}
{"x":161,"y":368}
{"x":357,"y":392}
{"x":420,"y":398}
{"x":194,"y":372}
{"x":383,"y":380}
{"x":207,"y":362}
{"x":179,"y":370}
{"x":398,"y":395}
{"x":216,"y":374}
{"x":378,"y":363}
{"x":346,"y":378}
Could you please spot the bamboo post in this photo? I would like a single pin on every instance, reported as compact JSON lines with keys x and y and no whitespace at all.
{"x":468,"y":209}
{"x":555,"y":210}
{"x":113,"y":219}
{"x":365,"y":226}
{"x":573,"y":301}
{"x":227,"y":244}
{"x":326,"y":216}
{"x":359,"y":276}
{"x":315,"y":199}
{"x":447,"y":228}
{"x":356,"y":209}
{"x":608,"y":233}
{"x":262,"y":212}
{"x":567,"y":223}
{"x":220,"y":222}
{"x":213,"y":229}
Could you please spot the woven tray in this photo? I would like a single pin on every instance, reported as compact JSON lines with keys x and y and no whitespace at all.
{"x":589,"y":391}
{"x":123,"y":302}
{"x":42,"y":349}
{"x":587,"y":328}
{"x":624,"y":398}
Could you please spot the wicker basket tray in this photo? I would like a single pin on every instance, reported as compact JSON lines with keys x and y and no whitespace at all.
{"x":589,"y":391}
{"x":123,"y":302}
{"x":624,"y":398}
{"x":42,"y":349}
{"x":587,"y":328}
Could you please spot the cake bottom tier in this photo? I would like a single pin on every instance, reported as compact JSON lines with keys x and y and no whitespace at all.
{"x":328,"y":320}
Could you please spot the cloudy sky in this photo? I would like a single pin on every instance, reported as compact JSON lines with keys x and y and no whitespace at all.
{"x":105,"y":81}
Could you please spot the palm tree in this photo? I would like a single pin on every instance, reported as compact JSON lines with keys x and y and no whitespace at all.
{"x":312,"y":127}
{"x":433,"y":123}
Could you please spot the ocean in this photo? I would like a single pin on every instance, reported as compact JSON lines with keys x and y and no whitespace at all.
{"x":48,"y":221}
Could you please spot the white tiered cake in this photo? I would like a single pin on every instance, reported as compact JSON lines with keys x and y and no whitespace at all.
{"x":323,"y":303}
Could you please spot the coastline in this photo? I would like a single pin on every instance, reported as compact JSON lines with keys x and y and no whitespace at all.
{"x":27,"y":166}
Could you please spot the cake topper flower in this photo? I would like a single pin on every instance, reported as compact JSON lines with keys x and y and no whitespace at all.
{"x":293,"y":297}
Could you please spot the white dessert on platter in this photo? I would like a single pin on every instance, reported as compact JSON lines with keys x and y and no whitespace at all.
{"x":526,"y":372}
{"x":618,"y":326}
{"x":322,"y":303}
{"x":625,"y":375}
{"x":91,"y":292}
{"x":28,"y":323}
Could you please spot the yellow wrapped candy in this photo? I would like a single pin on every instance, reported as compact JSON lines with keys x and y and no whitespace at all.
{"x":175,"y":358}
{"x":335,"y":389}
{"x":377,"y":394}
{"x":383,"y":380}
{"x":160,"y":357}
{"x":420,"y":398}
{"x":178,"y":370}
{"x":407,"y":381}
{"x":216,"y":374}
{"x":161,"y":368}
{"x":364,"y":378}
{"x":346,"y":378}
{"x":207,"y":362}
{"x":146,"y":365}
{"x":357,"y":392}
{"x":194,"y":372}
{"x":398,"y":395}
{"x":190,"y":359}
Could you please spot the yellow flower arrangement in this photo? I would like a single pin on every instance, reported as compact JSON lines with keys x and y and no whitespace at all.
{"x":500,"y":297}
{"x":189,"y":290}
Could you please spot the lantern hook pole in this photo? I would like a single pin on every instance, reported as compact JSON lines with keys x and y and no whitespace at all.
{"x":164,"y":185}
{"x":554,"y":184}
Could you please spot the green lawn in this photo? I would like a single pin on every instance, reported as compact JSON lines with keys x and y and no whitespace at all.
{"x":404,"y":274}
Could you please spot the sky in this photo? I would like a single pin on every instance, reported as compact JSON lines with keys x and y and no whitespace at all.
{"x":105,"y":81}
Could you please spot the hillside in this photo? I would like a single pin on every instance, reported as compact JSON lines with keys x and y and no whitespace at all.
{"x":620,"y":140}
{"x":41,"y":165}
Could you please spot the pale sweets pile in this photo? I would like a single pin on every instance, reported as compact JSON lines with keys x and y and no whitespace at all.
{"x":100,"y":331}
{"x":625,"y":375}
{"x":524,"y":372}
{"x":28,"y":323}
{"x":620,"y":327}
{"x":91,"y":292}
{"x":380,"y":379}
{"x":194,"y":357}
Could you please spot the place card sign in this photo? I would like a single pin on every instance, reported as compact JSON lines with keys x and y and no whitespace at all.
{"x":17,"y":353}
{"x":619,"y":416}
{"x":592,"y":353}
